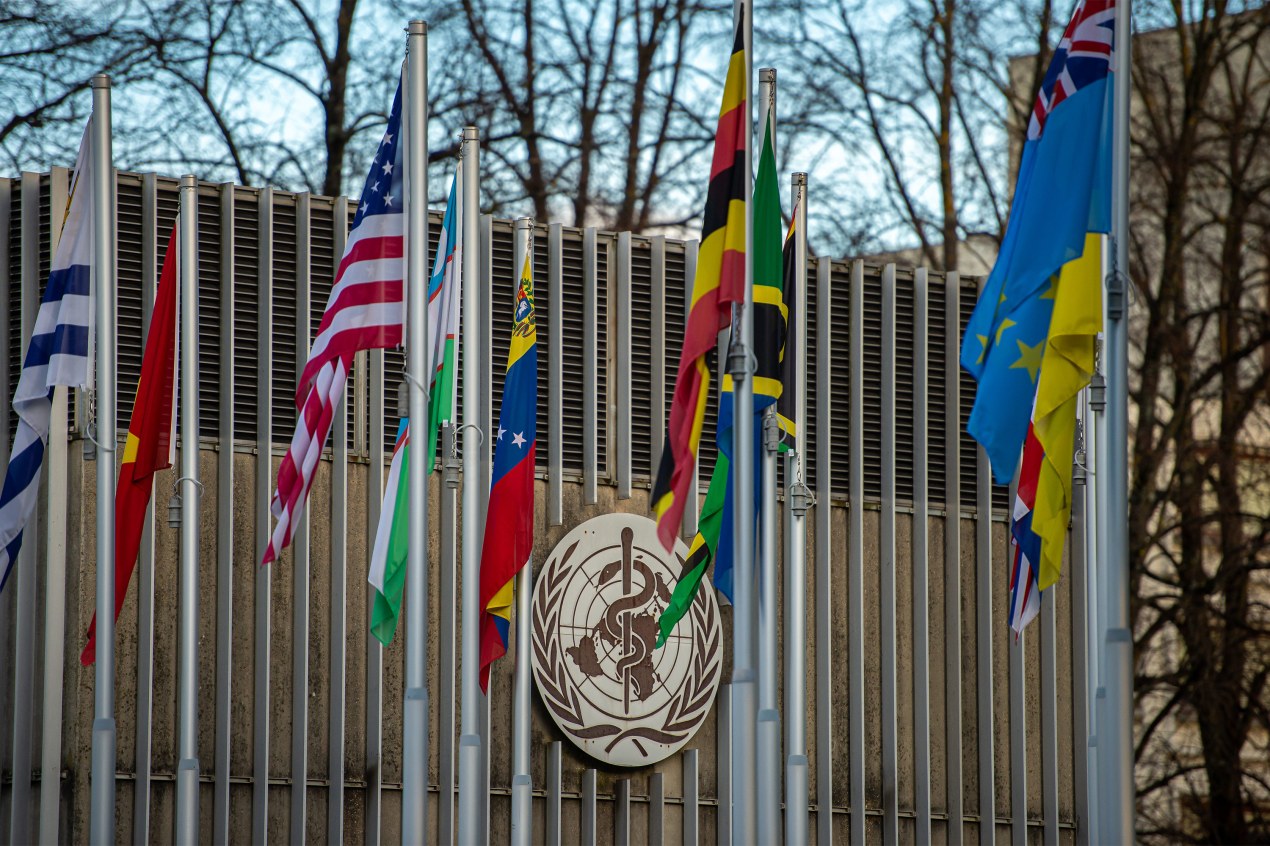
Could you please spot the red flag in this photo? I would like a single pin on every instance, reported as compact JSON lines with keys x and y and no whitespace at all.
{"x":150,"y":438}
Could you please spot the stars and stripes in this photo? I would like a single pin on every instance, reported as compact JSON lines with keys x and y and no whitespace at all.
{"x":366,"y":310}
{"x":58,"y":354}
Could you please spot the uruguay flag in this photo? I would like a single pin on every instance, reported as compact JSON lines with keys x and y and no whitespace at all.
{"x":509,"y":523}
{"x":58,"y":354}
{"x":1063,"y":191}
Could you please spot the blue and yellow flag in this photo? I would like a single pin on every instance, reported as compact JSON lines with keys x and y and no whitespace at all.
{"x":1062,"y":193}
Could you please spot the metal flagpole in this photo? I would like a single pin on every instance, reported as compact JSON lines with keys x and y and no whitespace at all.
{"x":522,"y":795}
{"x":102,"y":805}
{"x":769,"y":727}
{"x":187,"y":770}
{"x":740,"y":365}
{"x":1116,"y":734}
{"x":798,"y":499}
{"x":414,"y":774}
{"x":470,"y":754}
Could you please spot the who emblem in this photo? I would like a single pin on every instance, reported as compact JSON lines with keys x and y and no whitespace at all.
{"x":595,"y":610}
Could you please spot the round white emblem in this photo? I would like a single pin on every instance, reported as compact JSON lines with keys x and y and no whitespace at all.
{"x":595,"y":610}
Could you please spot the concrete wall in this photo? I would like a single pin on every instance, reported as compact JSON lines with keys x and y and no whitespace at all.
{"x":76,"y":725}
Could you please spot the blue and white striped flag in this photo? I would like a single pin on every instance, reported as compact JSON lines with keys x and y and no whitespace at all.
{"x":58,"y":354}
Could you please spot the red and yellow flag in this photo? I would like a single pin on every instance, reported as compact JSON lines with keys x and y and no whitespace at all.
{"x":720,"y":282}
{"x":150,"y":437}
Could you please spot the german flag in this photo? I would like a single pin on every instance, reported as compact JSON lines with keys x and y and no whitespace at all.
{"x":720,"y":282}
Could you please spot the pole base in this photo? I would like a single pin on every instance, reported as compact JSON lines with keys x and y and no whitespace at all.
{"x":522,"y":818}
{"x":796,"y":799}
{"x":769,"y":794}
{"x":101,"y":826}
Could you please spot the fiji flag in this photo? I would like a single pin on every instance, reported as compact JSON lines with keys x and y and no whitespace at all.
{"x":58,"y":354}
{"x":1062,"y":193}
{"x":509,"y":524}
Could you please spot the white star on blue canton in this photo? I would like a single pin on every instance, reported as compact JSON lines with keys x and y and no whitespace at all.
{"x":387,"y":138}
{"x":375,"y":187}
{"x":365,"y":207}
{"x":501,"y":430}
{"x":518,"y":440}
{"x":388,"y":199}
{"x":387,"y":168}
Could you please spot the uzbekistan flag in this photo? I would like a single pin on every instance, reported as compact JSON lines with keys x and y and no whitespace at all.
{"x":151,"y":444}
{"x":388,"y":560}
{"x":444,"y":294}
{"x":719,"y":282}
{"x":509,"y":524}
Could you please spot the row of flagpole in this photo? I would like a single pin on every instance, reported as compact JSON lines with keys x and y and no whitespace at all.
{"x":755,"y":740}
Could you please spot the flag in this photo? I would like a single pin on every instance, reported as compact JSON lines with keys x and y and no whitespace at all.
{"x":388,"y":563}
{"x":388,"y":559}
{"x":444,"y":293}
{"x":714,"y":527}
{"x":509,"y":523}
{"x":769,"y":340}
{"x":151,"y":443}
{"x":58,"y":354}
{"x":1062,"y":193}
{"x":1025,"y":544}
{"x":787,"y":405}
{"x":366,"y":310}
{"x":719,"y":282}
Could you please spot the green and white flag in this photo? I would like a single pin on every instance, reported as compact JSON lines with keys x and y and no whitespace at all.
{"x":388,"y":561}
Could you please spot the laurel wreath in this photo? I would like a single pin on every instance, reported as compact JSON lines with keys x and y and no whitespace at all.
{"x":560,"y":696}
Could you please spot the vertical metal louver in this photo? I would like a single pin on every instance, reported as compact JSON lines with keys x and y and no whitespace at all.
{"x":674,"y":335}
{"x":285,"y":343}
{"x":936,"y":412}
{"x":128,"y":272}
{"x":641,"y":357}
{"x":904,"y":308}
{"x":13,"y":317}
{"x":209,"y":317}
{"x":838,"y":376}
{"x":807,"y":427}
{"x":872,"y":384}
{"x":572,"y":287}
{"x":246,"y":304}
{"x":503,"y":277}
{"x":969,"y":447}
{"x":542,"y":323}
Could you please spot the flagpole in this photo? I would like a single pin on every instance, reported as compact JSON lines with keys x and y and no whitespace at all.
{"x":102,"y":805}
{"x":1116,"y":735}
{"x":414,"y":784}
{"x":470,"y":753}
{"x":187,"y":770}
{"x":522,"y":795}
{"x":740,"y":366}
{"x":797,"y":496}
{"x":768,"y":729}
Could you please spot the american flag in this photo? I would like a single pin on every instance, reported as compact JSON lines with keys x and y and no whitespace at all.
{"x":1082,"y":57}
{"x":366,"y":310}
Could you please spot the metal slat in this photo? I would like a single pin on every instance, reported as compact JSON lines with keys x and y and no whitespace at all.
{"x":621,"y":310}
{"x":224,"y":525}
{"x":691,"y":823}
{"x":25,"y":588}
{"x":588,"y":808}
{"x":656,"y":809}
{"x":300,"y":550}
{"x":723,"y":732}
{"x":952,"y":562}
{"x":264,"y":473}
{"x":12,"y":221}
{"x":339,"y":573}
{"x":921,"y":561}
{"x":890,"y":730}
{"x":1049,"y":713}
{"x":145,"y":558}
{"x":692,"y":507}
{"x":374,"y":650}
{"x":590,"y":367}
{"x":855,"y":546}
{"x":657,"y":354}
{"x":555,"y":375}
{"x":983,"y":658}
{"x":622,"y":814}
{"x":1018,"y":742}
{"x":1080,"y":643}
{"x":824,"y":558}
{"x":55,"y":572}
{"x":555,"y":767}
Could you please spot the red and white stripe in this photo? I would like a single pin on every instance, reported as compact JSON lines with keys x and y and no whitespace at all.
{"x":366,"y":310}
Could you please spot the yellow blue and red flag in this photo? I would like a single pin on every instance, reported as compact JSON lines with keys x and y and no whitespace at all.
{"x":1062,"y":193}
{"x":509,"y":524}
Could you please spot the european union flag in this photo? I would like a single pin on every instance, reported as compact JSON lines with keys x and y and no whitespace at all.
{"x":1063,"y":192}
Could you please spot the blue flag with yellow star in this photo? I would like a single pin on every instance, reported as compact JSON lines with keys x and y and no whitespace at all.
{"x":1062,"y":193}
